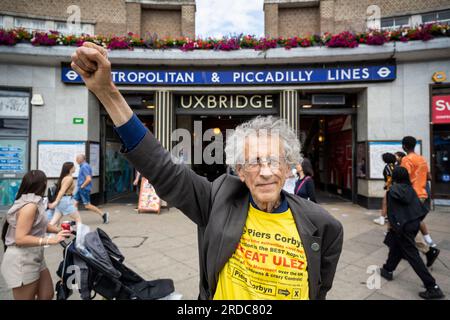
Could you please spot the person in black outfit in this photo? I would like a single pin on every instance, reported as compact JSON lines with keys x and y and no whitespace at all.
{"x":399,"y":155}
{"x":304,"y":187}
{"x":405,"y":212}
{"x":390,"y":161}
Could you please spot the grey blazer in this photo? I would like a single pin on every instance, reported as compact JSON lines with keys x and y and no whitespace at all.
{"x":220,"y":210}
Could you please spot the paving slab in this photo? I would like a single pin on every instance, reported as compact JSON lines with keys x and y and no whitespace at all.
{"x":165,"y":246}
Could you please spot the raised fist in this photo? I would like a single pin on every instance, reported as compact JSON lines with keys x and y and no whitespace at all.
{"x":91,"y":62}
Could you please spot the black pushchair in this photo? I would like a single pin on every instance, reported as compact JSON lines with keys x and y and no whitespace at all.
{"x":97,"y":268}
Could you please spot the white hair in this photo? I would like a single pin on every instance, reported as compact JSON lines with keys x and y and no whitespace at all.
{"x":270,"y":126}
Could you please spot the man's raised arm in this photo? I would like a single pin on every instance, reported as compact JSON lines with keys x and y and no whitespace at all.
{"x":175,"y":183}
{"x":91,"y":62}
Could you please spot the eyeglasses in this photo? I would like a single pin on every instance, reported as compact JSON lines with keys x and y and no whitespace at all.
{"x":255,"y":164}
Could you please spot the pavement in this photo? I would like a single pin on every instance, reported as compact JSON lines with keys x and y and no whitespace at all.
{"x":165,"y":246}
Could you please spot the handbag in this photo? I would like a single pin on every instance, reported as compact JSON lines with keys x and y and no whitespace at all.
{"x":62,"y":292}
{"x":301,"y":184}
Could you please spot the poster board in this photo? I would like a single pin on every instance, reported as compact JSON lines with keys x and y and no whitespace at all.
{"x":375,"y":151}
{"x":14,"y":107}
{"x":13,"y":157}
{"x":149,"y":202}
{"x":52,"y":155}
{"x":361,"y":160}
{"x":94,"y":158}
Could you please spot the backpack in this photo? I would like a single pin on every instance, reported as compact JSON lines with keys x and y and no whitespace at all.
{"x":51,"y":193}
{"x":389,"y":169}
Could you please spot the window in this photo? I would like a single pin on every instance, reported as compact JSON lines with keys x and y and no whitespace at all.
{"x":30,"y":24}
{"x":395,"y":22}
{"x":67,"y":28}
{"x":14,"y":142}
{"x":439,"y":16}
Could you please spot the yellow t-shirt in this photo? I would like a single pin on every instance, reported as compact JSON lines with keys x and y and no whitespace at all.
{"x":269,"y":262}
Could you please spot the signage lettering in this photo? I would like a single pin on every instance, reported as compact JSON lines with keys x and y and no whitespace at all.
{"x":245,"y":77}
{"x":226,"y":101}
{"x":440,"y":109}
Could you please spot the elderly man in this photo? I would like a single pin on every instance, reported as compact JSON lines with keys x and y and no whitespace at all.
{"x":255,"y":241}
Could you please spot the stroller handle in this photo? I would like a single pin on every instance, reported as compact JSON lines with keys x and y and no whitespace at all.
{"x":64,"y":244}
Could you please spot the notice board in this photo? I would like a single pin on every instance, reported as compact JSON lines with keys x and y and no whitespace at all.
{"x":53,"y":154}
{"x":376,"y":150}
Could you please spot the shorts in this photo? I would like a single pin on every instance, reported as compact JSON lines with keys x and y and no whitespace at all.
{"x":50,"y":213}
{"x":22,"y":265}
{"x":66,"y":206}
{"x":83,"y":196}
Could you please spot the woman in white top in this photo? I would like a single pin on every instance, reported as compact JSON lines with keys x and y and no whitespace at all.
{"x":23,"y":266}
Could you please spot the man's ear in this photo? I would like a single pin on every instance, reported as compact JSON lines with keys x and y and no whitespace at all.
{"x":287,"y":171}
{"x":240,"y":172}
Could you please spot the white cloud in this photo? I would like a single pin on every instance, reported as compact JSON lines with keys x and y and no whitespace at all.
{"x":217,"y":18}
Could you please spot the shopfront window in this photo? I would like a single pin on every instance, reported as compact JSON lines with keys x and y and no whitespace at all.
{"x":14,"y":142}
{"x":441,"y":143}
{"x":440,"y":133}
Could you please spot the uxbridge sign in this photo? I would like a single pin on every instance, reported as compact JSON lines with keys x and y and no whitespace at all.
{"x":226,"y":101}
{"x":245,"y":77}
{"x":227,"y":104}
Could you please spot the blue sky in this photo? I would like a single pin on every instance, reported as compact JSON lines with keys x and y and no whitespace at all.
{"x":217,"y":18}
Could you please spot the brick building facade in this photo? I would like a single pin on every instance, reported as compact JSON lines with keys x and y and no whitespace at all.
{"x":173,"y":18}
{"x":301,"y":17}
{"x":345,"y":104}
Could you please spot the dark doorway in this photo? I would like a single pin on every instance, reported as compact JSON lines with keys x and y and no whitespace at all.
{"x":117,"y":173}
{"x":328,"y":141}
{"x":219,"y":125}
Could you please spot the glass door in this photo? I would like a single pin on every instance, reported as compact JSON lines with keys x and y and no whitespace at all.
{"x":441,"y":161}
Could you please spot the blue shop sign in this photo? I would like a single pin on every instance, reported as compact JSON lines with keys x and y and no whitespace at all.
{"x":245,"y":77}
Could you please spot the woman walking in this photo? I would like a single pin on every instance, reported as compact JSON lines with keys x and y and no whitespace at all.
{"x":23,"y":266}
{"x":63,"y":204}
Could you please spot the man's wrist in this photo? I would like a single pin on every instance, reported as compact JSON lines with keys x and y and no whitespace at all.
{"x":115,"y":104}
{"x":106,"y":91}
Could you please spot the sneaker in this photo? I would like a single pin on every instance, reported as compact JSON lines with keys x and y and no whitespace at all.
{"x":432,"y":293}
{"x":105,"y":217}
{"x":379,"y":220}
{"x":388,"y":275}
{"x":432,"y":255}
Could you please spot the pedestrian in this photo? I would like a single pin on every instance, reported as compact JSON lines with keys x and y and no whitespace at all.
{"x":399,"y":155}
{"x":389,"y":159}
{"x":417,"y":167}
{"x":23,"y":266}
{"x":246,"y":223}
{"x":405,"y":212}
{"x":304,"y":187}
{"x":423,"y":227}
{"x":137,"y":181}
{"x":64,"y":203}
{"x":289,"y":184}
{"x":84,"y":186}
{"x":137,"y":184}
